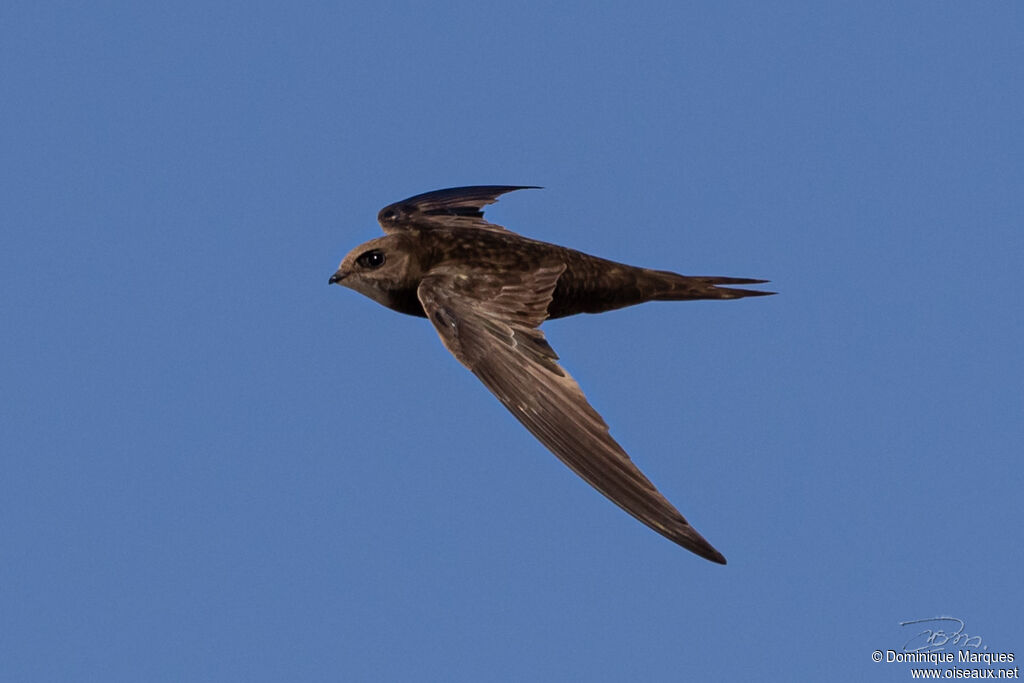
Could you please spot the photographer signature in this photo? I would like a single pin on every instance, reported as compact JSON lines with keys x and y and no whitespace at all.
{"x":935,"y":637}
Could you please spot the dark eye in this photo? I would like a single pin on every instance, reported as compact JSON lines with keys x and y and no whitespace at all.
{"x":371,"y":259}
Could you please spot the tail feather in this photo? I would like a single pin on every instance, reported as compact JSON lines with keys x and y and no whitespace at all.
{"x":728,"y":280}
{"x":677,"y":287}
{"x":734,"y":293}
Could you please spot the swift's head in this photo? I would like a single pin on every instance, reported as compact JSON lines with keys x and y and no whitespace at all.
{"x":381,"y":269}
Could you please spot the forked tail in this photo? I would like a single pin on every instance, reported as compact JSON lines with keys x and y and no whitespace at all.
{"x":675,"y":287}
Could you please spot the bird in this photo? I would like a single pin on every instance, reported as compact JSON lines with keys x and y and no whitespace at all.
{"x":486,"y":290}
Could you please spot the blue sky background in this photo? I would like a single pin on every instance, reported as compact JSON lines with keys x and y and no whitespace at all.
{"x":216,"y":467}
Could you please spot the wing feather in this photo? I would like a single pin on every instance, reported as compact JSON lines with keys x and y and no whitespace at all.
{"x":489,"y":323}
{"x":454,"y":207}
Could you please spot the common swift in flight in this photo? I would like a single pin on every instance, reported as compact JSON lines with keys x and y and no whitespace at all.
{"x":486,"y":290}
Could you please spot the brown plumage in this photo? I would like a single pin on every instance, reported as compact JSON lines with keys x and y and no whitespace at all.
{"x":486,"y":290}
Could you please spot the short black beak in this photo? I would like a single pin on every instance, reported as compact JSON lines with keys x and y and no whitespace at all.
{"x":336,"y":278}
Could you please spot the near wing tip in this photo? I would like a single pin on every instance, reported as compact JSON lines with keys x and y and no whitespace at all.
{"x":690,"y":539}
{"x":707,"y":551}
